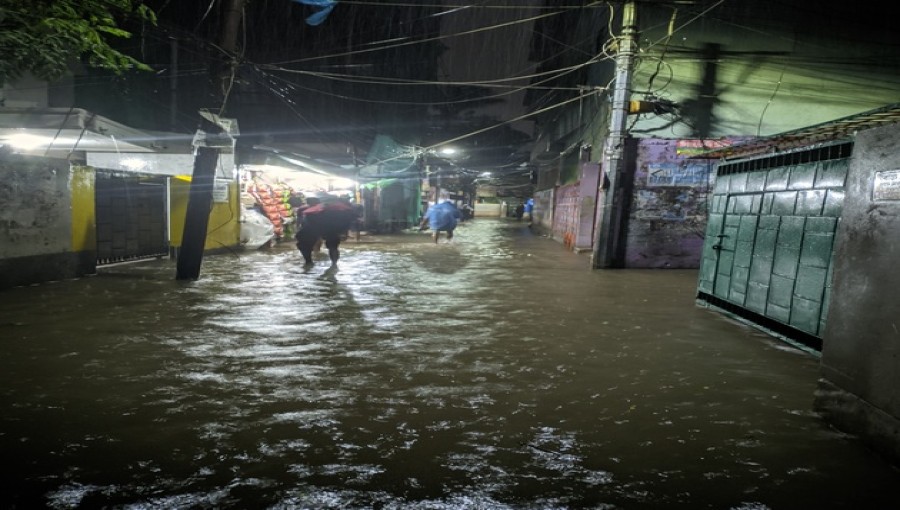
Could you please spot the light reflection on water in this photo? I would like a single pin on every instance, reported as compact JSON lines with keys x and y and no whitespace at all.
{"x":495,"y":372}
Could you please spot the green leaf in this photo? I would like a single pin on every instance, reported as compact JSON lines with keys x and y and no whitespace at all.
{"x":41,"y":37}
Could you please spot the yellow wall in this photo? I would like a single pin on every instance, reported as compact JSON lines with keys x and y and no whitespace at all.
{"x":84,"y":219}
{"x":223,"y":229}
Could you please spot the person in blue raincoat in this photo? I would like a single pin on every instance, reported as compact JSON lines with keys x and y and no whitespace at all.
{"x":529,"y":209}
{"x":441,"y":217}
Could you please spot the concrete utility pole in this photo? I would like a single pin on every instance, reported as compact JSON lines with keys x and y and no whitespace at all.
{"x":193,"y":240}
{"x":607,"y":247}
{"x":206,"y":156}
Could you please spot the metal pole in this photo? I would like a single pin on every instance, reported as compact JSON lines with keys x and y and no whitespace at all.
{"x":607,"y":242}
{"x":173,"y":85}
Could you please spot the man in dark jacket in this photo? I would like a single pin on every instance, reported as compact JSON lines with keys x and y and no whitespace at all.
{"x":329,"y":221}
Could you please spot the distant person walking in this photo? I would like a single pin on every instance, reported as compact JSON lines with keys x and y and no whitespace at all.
{"x":329,"y":221}
{"x":520,"y":211}
{"x":442,"y":217}
{"x":468,"y":212}
{"x":529,"y":210}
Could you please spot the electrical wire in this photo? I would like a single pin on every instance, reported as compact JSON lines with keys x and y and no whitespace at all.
{"x":466,"y":6}
{"x":288,"y":102}
{"x":557,"y":73}
{"x":404,"y":81}
{"x":685,"y":24}
{"x":484,"y":83}
{"x":662,"y":57}
{"x":205,"y":14}
{"x":769,"y":102}
{"x":494,"y":126}
{"x":425,"y":40}
{"x":460,"y":101}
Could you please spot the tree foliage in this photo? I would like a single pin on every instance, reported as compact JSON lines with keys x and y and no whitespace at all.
{"x":44,"y":36}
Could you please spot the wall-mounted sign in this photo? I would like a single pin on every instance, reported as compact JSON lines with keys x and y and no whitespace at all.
{"x":677,"y":174}
{"x":887,"y":185}
{"x":220,"y":192}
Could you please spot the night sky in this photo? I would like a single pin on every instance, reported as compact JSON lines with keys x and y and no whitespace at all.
{"x":422,"y":72}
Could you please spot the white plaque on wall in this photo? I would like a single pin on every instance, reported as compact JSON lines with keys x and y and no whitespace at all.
{"x":887,"y":185}
{"x":220,"y":192}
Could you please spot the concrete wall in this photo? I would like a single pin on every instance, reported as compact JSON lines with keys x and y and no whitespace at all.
{"x":488,"y":210}
{"x":668,"y":212}
{"x":859,"y":389}
{"x":46,"y":221}
{"x":566,"y":214}
{"x":588,"y":187}
{"x":542,"y":214}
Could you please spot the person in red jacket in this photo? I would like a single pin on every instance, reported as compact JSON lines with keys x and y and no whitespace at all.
{"x":329,"y":220}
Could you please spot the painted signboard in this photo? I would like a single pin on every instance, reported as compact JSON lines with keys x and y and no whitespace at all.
{"x":677,"y":174}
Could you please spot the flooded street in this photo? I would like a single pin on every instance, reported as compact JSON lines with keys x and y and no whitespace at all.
{"x":494,"y":372}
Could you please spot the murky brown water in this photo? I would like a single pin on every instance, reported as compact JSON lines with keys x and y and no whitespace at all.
{"x":497,"y":372}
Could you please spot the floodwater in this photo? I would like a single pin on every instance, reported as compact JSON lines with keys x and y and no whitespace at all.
{"x":494,"y":372}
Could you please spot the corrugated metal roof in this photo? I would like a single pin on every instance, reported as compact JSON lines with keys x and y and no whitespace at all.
{"x":840,"y":129}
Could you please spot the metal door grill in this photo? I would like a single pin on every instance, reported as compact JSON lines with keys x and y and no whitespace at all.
{"x":767,"y":256}
{"x":131,"y":218}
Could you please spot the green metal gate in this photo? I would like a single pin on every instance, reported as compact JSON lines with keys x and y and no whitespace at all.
{"x":769,"y":242}
{"x":131,"y":217}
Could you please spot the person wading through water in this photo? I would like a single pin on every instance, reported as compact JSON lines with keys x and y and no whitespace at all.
{"x":329,"y":220}
{"x":441,"y":217}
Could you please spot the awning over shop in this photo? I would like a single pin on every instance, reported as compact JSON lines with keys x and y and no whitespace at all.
{"x":57,"y":132}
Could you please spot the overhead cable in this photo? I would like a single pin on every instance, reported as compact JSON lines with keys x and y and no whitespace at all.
{"x":420,"y":41}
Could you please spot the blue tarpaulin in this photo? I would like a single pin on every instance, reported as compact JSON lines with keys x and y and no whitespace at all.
{"x":326,"y":6}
